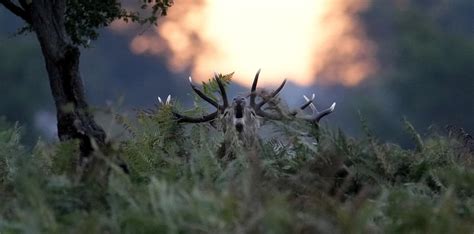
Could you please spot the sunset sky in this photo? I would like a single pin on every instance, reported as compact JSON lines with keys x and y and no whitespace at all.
{"x":305,"y":41}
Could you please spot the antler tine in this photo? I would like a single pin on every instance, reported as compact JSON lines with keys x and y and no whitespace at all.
{"x":202,"y":95}
{"x":258,"y":107}
{"x":325,"y":112}
{"x":222,"y":91}
{"x":166,"y":102}
{"x":308,"y":102}
{"x":253,"y":91}
{"x":272,"y":95}
{"x":187,"y":119}
{"x":311,"y":105}
{"x":316,"y":116}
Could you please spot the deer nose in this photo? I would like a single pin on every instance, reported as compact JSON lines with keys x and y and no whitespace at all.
{"x":239,"y":127}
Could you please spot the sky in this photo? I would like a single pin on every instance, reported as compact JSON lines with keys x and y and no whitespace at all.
{"x":306,"y":42}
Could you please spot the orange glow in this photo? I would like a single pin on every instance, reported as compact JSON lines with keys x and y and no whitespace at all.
{"x":305,"y":41}
{"x":120,"y":26}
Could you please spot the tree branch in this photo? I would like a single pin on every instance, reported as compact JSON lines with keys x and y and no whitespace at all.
{"x":18,"y":11}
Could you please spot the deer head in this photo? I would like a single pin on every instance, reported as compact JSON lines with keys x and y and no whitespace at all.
{"x":242,"y":117}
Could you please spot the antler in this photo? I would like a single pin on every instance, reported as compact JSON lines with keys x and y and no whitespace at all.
{"x":205,"y":118}
{"x":315,"y":117}
{"x":258,"y":106}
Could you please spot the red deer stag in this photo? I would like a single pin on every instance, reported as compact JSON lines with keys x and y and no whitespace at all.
{"x":241,"y":119}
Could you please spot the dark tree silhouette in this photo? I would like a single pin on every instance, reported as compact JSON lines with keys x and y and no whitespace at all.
{"x":61,"y":27}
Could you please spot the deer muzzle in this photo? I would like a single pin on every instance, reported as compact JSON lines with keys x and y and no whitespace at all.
{"x":239,"y":107}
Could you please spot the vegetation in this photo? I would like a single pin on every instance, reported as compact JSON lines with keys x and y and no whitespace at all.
{"x":61,"y":27}
{"x":177,"y":183}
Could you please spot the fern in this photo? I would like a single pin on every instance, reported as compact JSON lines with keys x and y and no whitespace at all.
{"x":312,"y":181}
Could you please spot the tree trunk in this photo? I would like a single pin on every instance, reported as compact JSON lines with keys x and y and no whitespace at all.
{"x":62,"y":63}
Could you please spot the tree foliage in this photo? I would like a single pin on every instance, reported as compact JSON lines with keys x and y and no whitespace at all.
{"x":85,"y":17}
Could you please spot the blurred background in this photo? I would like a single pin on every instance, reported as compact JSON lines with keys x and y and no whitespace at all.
{"x":383,"y":59}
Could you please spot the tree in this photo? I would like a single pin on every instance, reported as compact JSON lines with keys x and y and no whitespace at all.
{"x":62,"y":27}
